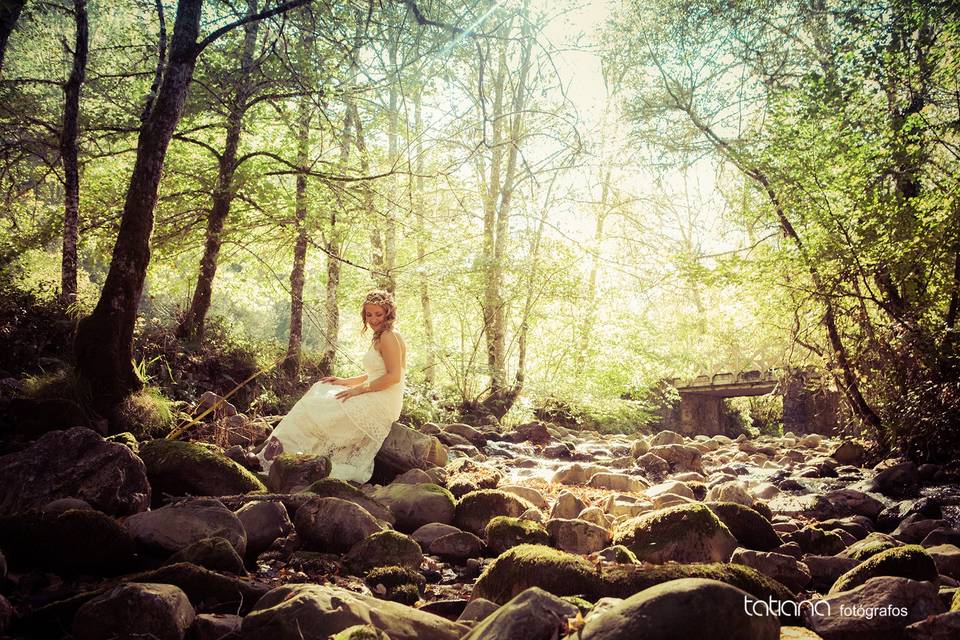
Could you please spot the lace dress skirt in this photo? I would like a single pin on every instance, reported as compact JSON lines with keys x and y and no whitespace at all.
{"x":349,"y":431}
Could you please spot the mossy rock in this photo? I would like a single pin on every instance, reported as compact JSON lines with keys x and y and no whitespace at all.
{"x":622,"y":581}
{"x":816,"y":541}
{"x":909,"y":561}
{"x":188,"y":468}
{"x":682,"y":533}
{"x":505,"y":532}
{"x":870,"y":546}
{"x":396,"y":583}
{"x":77,"y":541}
{"x":476,"y":509}
{"x":535,"y":565}
{"x":580,"y":603}
{"x":619,"y":554}
{"x":292,"y":472}
{"x":209,"y":591}
{"x":127,"y":439}
{"x":747,"y":525}
{"x":216,"y":554}
{"x":361,"y":632}
{"x":384,"y":548}
{"x":415,"y":505}
{"x":334,"y":488}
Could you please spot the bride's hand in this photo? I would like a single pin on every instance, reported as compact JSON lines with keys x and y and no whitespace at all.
{"x":348,"y":393}
{"x":332,"y":380}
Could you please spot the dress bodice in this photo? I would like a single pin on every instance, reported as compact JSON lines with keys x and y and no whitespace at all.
{"x":374,"y":366}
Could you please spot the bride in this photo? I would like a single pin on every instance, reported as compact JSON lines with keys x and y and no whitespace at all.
{"x":348,"y":419}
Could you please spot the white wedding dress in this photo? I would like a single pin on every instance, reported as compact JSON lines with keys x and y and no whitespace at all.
{"x":349,"y":431}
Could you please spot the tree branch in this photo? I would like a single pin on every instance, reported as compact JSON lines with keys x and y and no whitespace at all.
{"x":266,"y":13}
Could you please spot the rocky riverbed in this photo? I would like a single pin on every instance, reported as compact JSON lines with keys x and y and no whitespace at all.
{"x":539,"y":532}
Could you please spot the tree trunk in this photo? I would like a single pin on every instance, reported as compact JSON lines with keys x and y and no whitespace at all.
{"x":104,"y":340}
{"x":329,"y":360}
{"x":70,"y":153}
{"x":492,"y":304}
{"x":192,"y":325}
{"x":9,"y":14}
{"x":501,"y":397}
{"x":297,"y":276}
{"x":417,"y":200}
{"x":586,"y":329}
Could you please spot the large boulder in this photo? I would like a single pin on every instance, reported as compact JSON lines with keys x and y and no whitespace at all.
{"x":684,"y":533}
{"x":71,"y":542}
{"x":478,"y":508}
{"x":893,"y":604}
{"x":135,"y":610}
{"x":622,"y":581}
{"x":334,"y":488}
{"x":315,"y":612}
{"x":457,"y":546}
{"x":617,"y":482}
{"x":263,"y":522}
{"x":291,"y":472}
{"x":332,"y":524}
{"x":208,"y":591}
{"x":533,"y":614}
{"x":534,"y":565}
{"x":680,"y":457}
{"x":189,"y":468}
{"x":174,"y":527}
{"x":785,"y":569}
{"x":216,"y":554}
{"x":578,"y":536}
{"x":666,"y":612}
{"x":909,"y":561}
{"x":405,"y":449}
{"x":382,"y":549}
{"x":504,"y":532}
{"x":76,"y":463}
{"x":414,"y":505}
{"x":751,"y":529}
{"x":814,"y":540}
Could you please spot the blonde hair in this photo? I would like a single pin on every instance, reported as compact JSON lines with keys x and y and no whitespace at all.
{"x":383,"y":299}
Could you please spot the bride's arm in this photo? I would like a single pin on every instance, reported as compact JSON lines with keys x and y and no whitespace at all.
{"x":392,"y":359}
{"x":346,"y":382}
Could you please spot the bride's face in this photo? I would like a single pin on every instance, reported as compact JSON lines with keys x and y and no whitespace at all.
{"x":374,"y":314}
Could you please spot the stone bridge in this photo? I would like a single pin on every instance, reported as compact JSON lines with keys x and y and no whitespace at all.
{"x":808,"y":406}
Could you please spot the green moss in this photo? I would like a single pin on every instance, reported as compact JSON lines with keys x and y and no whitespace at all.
{"x":384,"y":548}
{"x":748,"y":526}
{"x":622,"y":581}
{"x":651,"y":533}
{"x":534,"y":565}
{"x":187,"y":468}
{"x":504,"y":532}
{"x":146,"y":413}
{"x":396,"y":583}
{"x":620,"y":554}
{"x":582,"y":604}
{"x":361,"y":632}
{"x":909,"y":561}
{"x":869,"y":547}
{"x":394,"y":575}
{"x":477,"y":508}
